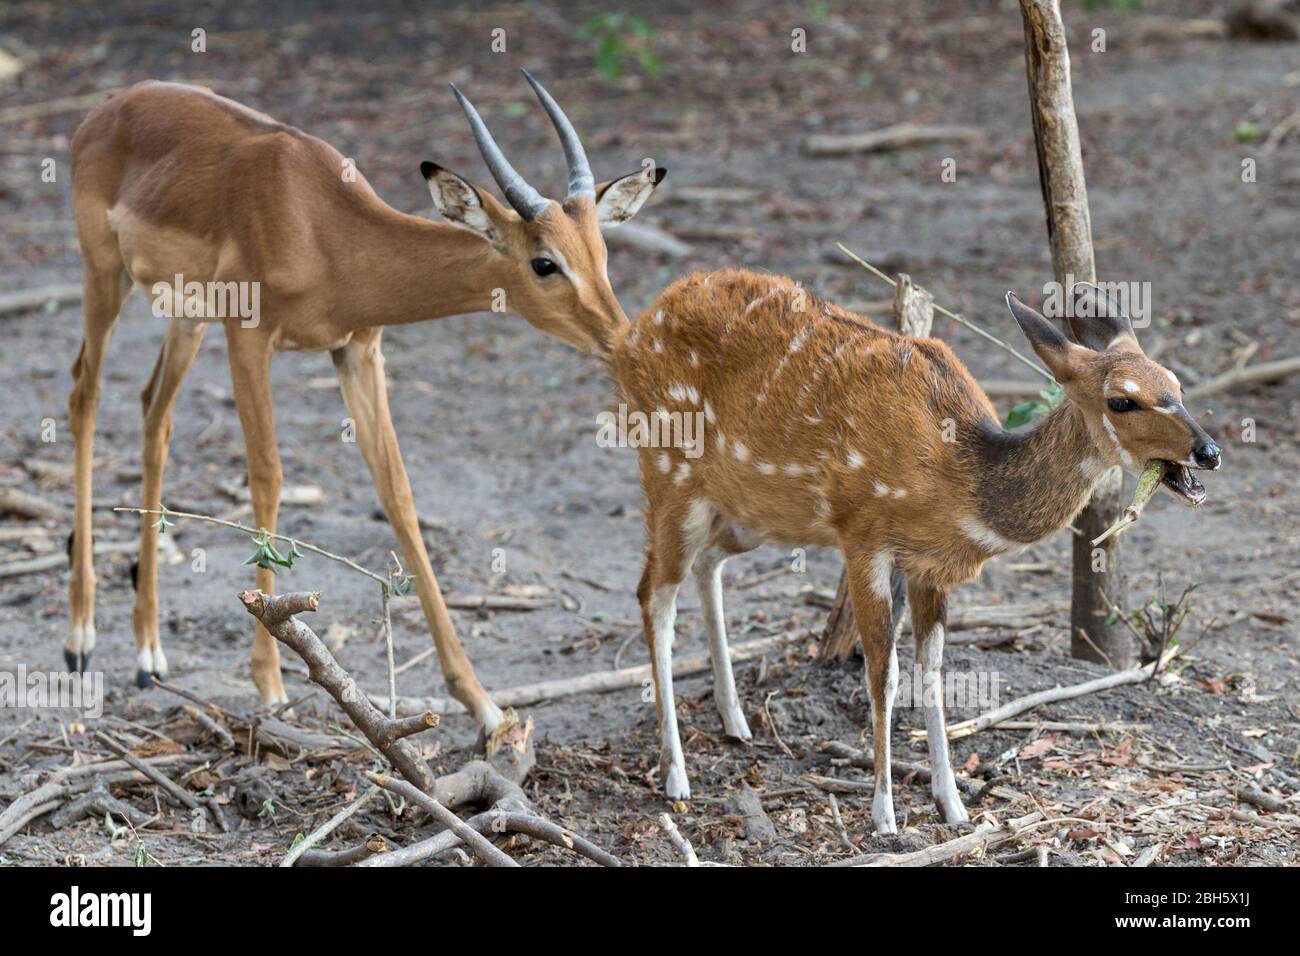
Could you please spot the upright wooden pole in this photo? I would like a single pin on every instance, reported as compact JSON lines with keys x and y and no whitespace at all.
{"x":913,"y":314}
{"x":1098,"y":580}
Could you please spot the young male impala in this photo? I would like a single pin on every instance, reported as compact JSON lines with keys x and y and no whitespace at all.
{"x":822,"y":428}
{"x":171,"y":180}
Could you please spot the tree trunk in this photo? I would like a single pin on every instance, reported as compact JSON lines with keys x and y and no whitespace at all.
{"x":1098,"y":581}
{"x":913,"y":314}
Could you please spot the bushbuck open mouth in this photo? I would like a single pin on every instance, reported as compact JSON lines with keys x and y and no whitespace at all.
{"x":1180,"y":480}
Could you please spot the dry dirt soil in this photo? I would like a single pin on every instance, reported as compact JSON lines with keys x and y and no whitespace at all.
{"x":498,"y":423}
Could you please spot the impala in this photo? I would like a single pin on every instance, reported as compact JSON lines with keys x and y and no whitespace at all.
{"x":173,"y":184}
{"x":822,"y":428}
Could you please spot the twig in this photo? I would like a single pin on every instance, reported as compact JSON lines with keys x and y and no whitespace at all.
{"x":186,"y":798}
{"x":1263,"y":372}
{"x":986,"y":836}
{"x":373,"y":845}
{"x":596,"y":683}
{"x":482,"y":848}
{"x":954,"y":316}
{"x":326,"y":828}
{"x":1134,"y":675}
{"x":900,"y":136}
{"x":682,"y":845}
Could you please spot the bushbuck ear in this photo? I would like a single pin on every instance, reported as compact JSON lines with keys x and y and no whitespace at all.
{"x":1097,"y":321}
{"x":459,"y":201}
{"x":1049,"y":342}
{"x":618,"y":200}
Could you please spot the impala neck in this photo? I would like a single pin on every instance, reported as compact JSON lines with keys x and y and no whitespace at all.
{"x":1031,"y":484}
{"x":407,"y":269}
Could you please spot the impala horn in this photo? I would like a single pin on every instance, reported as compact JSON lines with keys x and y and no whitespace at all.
{"x":526,"y":200}
{"x":581,"y":182}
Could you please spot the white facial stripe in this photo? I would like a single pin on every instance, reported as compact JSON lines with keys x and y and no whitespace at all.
{"x":1124,"y":456}
{"x":1166,"y":409}
{"x":559,"y":260}
{"x":1129,"y":386}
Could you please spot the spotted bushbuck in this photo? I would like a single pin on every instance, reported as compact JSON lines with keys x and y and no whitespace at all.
{"x":822,"y":428}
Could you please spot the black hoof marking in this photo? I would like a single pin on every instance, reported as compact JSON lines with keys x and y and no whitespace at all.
{"x":85,"y":662}
{"x":71,"y":662}
{"x":143,"y":680}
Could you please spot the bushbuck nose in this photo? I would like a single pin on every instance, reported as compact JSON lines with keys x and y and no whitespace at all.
{"x":1207,"y":455}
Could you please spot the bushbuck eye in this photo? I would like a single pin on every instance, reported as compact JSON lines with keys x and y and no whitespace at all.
{"x":544,"y":267}
{"x":1123,"y":405}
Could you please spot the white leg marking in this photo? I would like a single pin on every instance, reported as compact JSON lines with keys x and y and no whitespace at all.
{"x":942,"y":782}
{"x":881,"y":565}
{"x":81,"y":638}
{"x":672,"y":763}
{"x":882,"y":805}
{"x":708,"y":580}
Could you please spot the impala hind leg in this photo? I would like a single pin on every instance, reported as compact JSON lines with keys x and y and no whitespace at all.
{"x":725,"y":542}
{"x":869,"y":589}
{"x":159,"y":396}
{"x":929,"y":622}
{"x":676,"y":533}
{"x":250,"y":375}
{"x":105,"y":286}
{"x":360,"y":368}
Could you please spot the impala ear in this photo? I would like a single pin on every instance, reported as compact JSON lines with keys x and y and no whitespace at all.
{"x":617,"y":200}
{"x":1049,"y":342}
{"x":460,"y":202}
{"x":1099,"y":322}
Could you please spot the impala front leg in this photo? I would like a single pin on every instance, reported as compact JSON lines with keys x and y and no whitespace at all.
{"x":360,"y":367}
{"x":250,"y":373}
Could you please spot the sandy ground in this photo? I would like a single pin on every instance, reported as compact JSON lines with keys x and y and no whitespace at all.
{"x":498,"y":423}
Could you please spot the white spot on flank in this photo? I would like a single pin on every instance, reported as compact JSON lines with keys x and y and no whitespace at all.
{"x":693,"y":394}
{"x":709,"y":416}
{"x":798,"y":340}
{"x":881,"y":490}
{"x":677,"y":392}
{"x":898,"y":493}
{"x":722,"y":441}
{"x":695,"y":359}
{"x":855,"y":460}
{"x":812,"y":420}
{"x":659,"y":317}
{"x":662,"y":415}
{"x":665,"y":463}
{"x":765,"y":468}
{"x":740,"y":451}
{"x":656,"y":345}
{"x":793,"y":469}
{"x":683,"y":472}
{"x":881,"y":565}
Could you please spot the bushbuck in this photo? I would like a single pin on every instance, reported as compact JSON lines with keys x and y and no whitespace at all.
{"x":823,"y":428}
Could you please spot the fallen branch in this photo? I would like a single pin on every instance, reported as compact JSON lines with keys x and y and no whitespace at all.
{"x":328,"y":827}
{"x":51,"y":562}
{"x":482,"y":847}
{"x":373,"y":845}
{"x":891,"y":137}
{"x":1247,"y":375}
{"x":276,"y":614}
{"x":900,"y":771}
{"x":1133,"y":675}
{"x":985,"y":837}
{"x":24,"y":504}
{"x":598,"y":683}
{"x":186,"y":798}
{"x":25,"y":300}
{"x":679,"y":842}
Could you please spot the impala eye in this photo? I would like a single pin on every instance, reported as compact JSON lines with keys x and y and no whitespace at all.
{"x":1122,"y":405}
{"x":544,"y":267}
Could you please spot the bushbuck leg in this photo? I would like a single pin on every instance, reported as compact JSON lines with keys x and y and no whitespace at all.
{"x":179,"y":348}
{"x":724,"y":542}
{"x":869,"y":589}
{"x":929,"y":624}
{"x":105,"y":286}
{"x":250,"y":374}
{"x":676,"y":534}
{"x":360,"y":368}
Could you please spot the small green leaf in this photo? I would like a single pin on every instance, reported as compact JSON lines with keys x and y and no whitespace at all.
{"x":300,"y":838}
{"x":1246,"y":133}
{"x":268,"y":808}
{"x":1022,"y":414}
{"x":141,"y":858}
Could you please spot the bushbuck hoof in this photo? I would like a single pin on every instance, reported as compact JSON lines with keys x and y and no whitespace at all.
{"x":676,"y":786}
{"x":144,"y":679}
{"x":76,"y":663}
